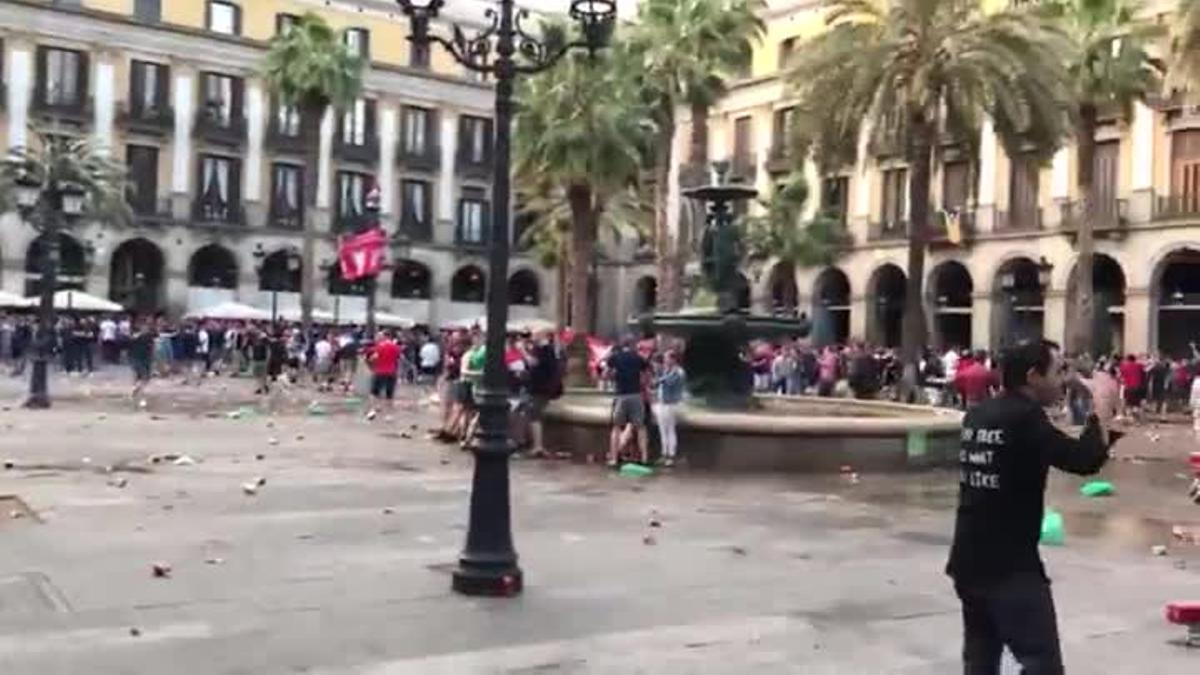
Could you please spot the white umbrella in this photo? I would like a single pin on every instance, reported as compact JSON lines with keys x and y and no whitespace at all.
{"x":235,"y":311}
{"x":14,"y":300}
{"x":81,"y":302}
{"x":532,"y":325}
{"x":393,"y":320}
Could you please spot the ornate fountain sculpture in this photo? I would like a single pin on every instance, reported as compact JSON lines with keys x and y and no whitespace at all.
{"x":715,"y":337}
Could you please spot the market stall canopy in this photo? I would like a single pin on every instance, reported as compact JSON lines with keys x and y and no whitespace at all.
{"x":234,"y":311}
{"x":14,"y":300}
{"x":78,"y":301}
{"x":531,"y":325}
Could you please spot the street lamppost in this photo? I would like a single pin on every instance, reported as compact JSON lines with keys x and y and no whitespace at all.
{"x":51,"y":203}
{"x":488,"y":562}
{"x":277,"y":278}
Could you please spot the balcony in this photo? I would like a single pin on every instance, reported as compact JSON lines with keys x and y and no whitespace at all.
{"x":415,"y":230}
{"x":470,"y":168}
{"x":1111,"y":217}
{"x":1168,"y":207}
{"x":151,"y":121}
{"x":279,"y":141}
{"x":365,"y":153}
{"x":151,"y":212}
{"x":285,"y":218}
{"x":427,"y":159}
{"x":212,"y":212}
{"x":743,"y":168}
{"x":1026,"y":220}
{"x":939,"y":230}
{"x":779,"y":160}
{"x":887,"y":230}
{"x":77,"y":112}
{"x":210,"y":127}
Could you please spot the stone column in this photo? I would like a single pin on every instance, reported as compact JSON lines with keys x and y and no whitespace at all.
{"x":1054,"y":316}
{"x":1140,"y":321}
{"x":252,"y":172}
{"x":981,"y":321}
{"x":183,"y":91}
{"x":1141,"y":198}
{"x":859,"y":306}
{"x":443,"y":230}
{"x":985,"y":215}
{"x":18,"y":78}
{"x":104,"y":102}
{"x":325,"y":164}
{"x":389,"y":121}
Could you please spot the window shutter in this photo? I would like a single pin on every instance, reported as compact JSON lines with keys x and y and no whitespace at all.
{"x":236,"y":112}
{"x":365,"y":36}
{"x":163,"y":95}
{"x":82,"y":66}
{"x":137,"y":85}
{"x":42,"y":75}
{"x":433,"y":130}
{"x":464,"y":137}
{"x":488,"y":141}
{"x":369,"y":120}
{"x":237,"y":19}
{"x":486,"y":236}
{"x":199,"y":177}
{"x":235,"y":185}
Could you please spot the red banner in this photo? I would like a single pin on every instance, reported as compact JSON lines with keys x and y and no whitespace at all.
{"x":362,"y":254}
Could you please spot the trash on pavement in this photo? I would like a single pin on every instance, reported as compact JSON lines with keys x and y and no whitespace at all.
{"x":119,"y":482}
{"x":1097,"y":488}
{"x":1185,"y":535}
{"x":272,"y":441}
{"x":161,"y":570}
{"x":631,"y":470}
{"x":184,"y":460}
{"x":214,"y":561}
{"x":1158,"y":550}
{"x":135,"y":632}
{"x":1052,"y":529}
{"x":649,"y":540}
{"x":250,"y":488}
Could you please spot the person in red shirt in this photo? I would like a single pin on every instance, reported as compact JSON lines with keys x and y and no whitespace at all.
{"x":384,"y":358}
{"x":974,"y":380}
{"x":1133,"y":380}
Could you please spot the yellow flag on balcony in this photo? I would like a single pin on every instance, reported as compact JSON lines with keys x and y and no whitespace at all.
{"x":953,"y":226}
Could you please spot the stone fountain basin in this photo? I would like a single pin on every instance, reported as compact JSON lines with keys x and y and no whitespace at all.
{"x":792,"y":434}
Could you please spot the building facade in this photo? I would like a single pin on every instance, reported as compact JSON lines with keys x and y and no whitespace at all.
{"x":1013,"y":273}
{"x":174,"y":90}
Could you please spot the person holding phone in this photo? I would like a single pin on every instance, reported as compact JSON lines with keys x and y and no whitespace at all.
{"x":1008,"y":447}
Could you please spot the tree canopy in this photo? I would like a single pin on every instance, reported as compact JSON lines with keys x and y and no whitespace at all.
{"x":310,"y":65}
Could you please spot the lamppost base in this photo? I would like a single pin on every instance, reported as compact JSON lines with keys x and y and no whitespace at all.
{"x":37,"y":402}
{"x":487,"y":580}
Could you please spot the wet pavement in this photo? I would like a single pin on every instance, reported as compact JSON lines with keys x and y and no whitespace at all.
{"x":338,"y":562}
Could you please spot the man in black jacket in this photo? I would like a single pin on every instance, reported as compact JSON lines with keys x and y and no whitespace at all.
{"x":1008,"y":446}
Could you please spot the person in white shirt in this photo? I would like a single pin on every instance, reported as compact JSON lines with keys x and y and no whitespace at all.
{"x":108,"y":340}
{"x":949,"y":372}
{"x":203,"y":350}
{"x":430,"y":357}
{"x":323,"y":363}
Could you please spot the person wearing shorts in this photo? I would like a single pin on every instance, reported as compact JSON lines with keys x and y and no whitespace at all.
{"x":384,"y":357}
{"x":626,"y":367}
{"x":141,"y":358}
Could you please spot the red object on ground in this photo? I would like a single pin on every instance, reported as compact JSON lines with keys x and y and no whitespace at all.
{"x":1194,"y":460}
{"x":1185,"y":613}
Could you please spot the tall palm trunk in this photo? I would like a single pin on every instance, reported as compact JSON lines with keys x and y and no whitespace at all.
{"x":698,"y":150}
{"x":1084,"y":310}
{"x":920,"y":157}
{"x":583,"y":246}
{"x":310,"y":125}
{"x":666,"y":249}
{"x":562,"y":273}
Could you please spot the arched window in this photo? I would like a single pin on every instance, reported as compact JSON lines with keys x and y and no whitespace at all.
{"x":213,"y":266}
{"x":468,"y":285}
{"x":411,"y":280}
{"x":523,"y":289}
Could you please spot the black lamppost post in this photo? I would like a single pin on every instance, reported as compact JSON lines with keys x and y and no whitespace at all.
{"x":488,"y":563}
{"x":370,"y":220}
{"x":50,"y":203}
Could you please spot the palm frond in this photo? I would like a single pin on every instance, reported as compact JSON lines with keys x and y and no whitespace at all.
{"x":54,"y":160}
{"x":310,"y":65}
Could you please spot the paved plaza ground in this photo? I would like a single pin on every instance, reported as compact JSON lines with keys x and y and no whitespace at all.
{"x":340,"y":562}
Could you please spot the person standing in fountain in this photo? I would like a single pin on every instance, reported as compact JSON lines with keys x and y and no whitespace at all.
{"x":626,"y":367}
{"x":669,"y":387}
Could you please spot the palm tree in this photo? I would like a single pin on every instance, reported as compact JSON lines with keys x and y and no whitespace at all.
{"x":310,"y":68}
{"x":580,"y":132}
{"x":1111,"y":69}
{"x":901,"y":68}
{"x":59,"y":166}
{"x":1185,"y":42}
{"x":689,"y":48}
{"x":779,"y":234}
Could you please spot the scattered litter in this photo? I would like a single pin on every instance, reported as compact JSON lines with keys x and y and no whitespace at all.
{"x":316,"y":409}
{"x":250,"y":488}
{"x":15,"y":514}
{"x":135,"y":632}
{"x":161,"y":570}
{"x":234,"y":414}
{"x":1052,"y":529}
{"x":387,"y":511}
{"x":649,"y":540}
{"x":260,"y":457}
{"x":1185,"y":535}
{"x":405,"y":435}
{"x":9,"y":464}
{"x":101,"y":416}
{"x":1097,"y":488}
{"x":445,"y":461}
{"x":371,"y":415}
{"x":299,"y":437}
{"x":86,"y":460}
{"x":184,"y":460}
{"x":119,"y":482}
{"x":270,"y":424}
{"x":142,"y":404}
{"x":1154,"y":438}
{"x":737,"y":550}
{"x":1158,"y":550}
{"x":425,"y":539}
{"x":272,"y":441}
{"x":214,"y":561}
{"x":631,"y":470}
{"x":655,"y":522}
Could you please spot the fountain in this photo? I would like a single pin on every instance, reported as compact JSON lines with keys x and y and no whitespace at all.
{"x":724,"y":425}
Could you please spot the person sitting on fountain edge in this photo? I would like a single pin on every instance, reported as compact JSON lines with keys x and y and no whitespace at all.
{"x":626,"y":368}
{"x":1008,"y":446}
